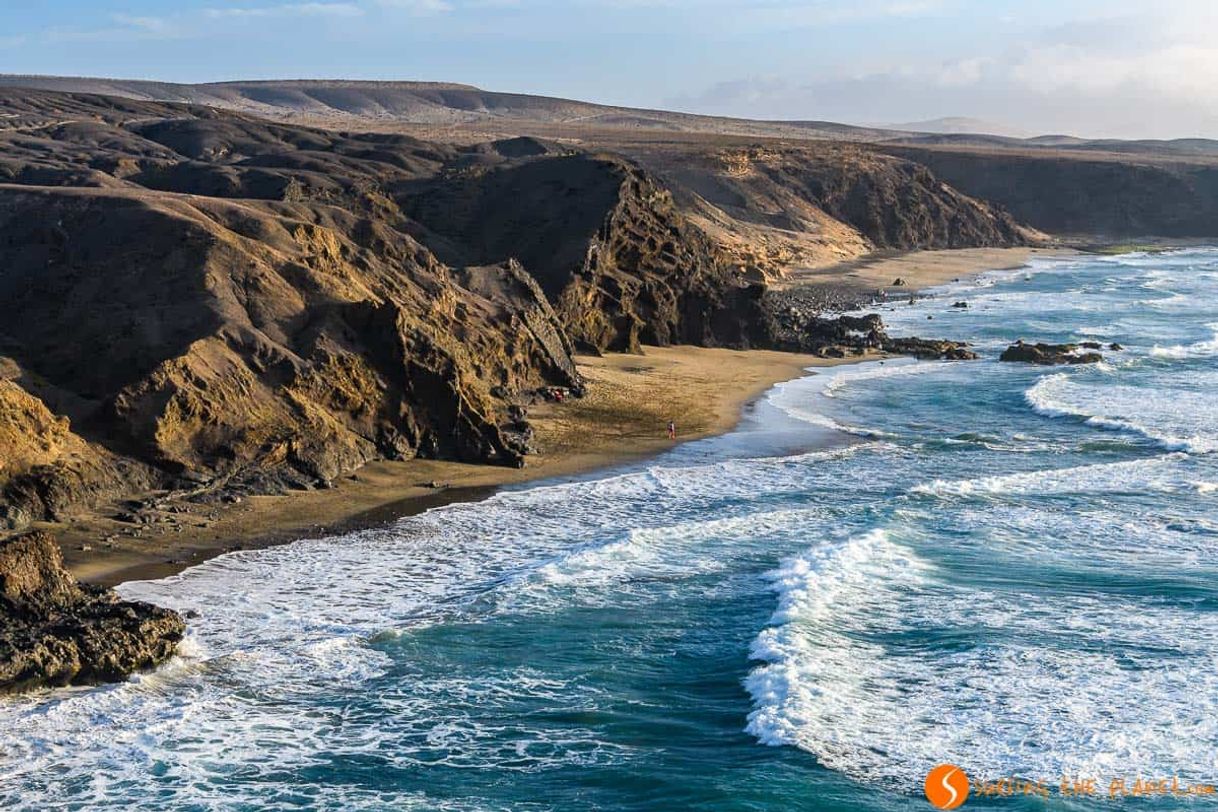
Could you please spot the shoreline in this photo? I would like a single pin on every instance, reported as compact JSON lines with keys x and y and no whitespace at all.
{"x":622,"y":420}
{"x":919,"y":270}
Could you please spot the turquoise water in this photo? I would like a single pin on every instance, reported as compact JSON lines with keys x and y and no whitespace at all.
{"x":887,"y":567}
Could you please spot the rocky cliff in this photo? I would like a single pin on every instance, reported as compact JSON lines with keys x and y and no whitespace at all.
{"x":892,"y":203}
{"x":200,"y":301}
{"x":264,"y":347}
{"x":774,"y":206}
{"x":605,"y":240}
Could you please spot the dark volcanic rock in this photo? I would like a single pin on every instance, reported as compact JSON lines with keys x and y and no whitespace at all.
{"x":1049,"y":354}
{"x":797,"y":329}
{"x":1082,"y":192}
{"x":254,"y":347}
{"x":54,"y":631}
{"x":891,"y":203}
{"x":621,"y":264}
{"x":930,"y":348}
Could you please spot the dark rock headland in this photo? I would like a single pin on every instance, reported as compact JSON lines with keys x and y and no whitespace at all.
{"x":55,"y":631}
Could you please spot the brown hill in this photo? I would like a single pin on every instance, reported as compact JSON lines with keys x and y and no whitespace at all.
{"x":1057,"y":183}
{"x":1085,"y":192}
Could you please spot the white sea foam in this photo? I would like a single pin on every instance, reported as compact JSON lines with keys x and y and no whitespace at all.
{"x":285,"y":632}
{"x":1098,"y":329}
{"x":821,"y":420}
{"x":1030,"y":683}
{"x":1201,"y":349}
{"x":800,"y":661}
{"x":809,"y":400}
{"x":881,"y":664}
{"x":901,"y":367}
{"x":1175,"y":419}
{"x":679,"y":550}
{"x":1156,"y":473}
{"x":1172,"y":302}
{"x":880,"y":658}
{"x":1017,"y":536}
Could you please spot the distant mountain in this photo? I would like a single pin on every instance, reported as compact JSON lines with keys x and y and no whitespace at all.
{"x":341,"y":103}
{"x":957,"y":125}
{"x":454,"y":112}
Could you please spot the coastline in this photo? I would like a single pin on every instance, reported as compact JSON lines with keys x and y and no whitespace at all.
{"x":919,"y":269}
{"x":622,"y":420}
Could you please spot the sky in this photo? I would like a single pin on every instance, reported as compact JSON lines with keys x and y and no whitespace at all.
{"x":1118,"y":68}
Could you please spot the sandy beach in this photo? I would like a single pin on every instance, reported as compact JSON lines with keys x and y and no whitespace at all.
{"x":919,"y":269}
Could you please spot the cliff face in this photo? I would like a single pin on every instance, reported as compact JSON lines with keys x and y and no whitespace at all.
{"x":1080,"y":194}
{"x":47,"y":470}
{"x":782,"y":205}
{"x":203,"y":301}
{"x":677,"y":247}
{"x":893,"y":203}
{"x":621,"y":263}
{"x":649,"y":276}
{"x":274,"y":346}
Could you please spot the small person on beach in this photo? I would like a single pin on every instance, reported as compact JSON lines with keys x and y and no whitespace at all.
{"x":672,"y":429}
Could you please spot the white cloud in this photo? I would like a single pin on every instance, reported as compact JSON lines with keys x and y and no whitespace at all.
{"x":155,"y":25}
{"x":419,"y":8}
{"x":288,"y":10}
{"x":125,"y":27}
{"x":1130,"y":75}
{"x":800,"y":13}
{"x":962,"y":72}
{"x":1183,"y":71}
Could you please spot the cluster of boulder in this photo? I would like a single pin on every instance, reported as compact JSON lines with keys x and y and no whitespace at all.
{"x":799,"y":320}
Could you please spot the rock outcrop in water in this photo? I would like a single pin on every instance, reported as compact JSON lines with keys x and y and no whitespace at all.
{"x":1049,"y":354}
{"x":843,"y":335}
{"x":55,"y":631}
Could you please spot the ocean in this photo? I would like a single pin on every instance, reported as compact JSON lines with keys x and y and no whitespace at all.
{"x":888,"y":566}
